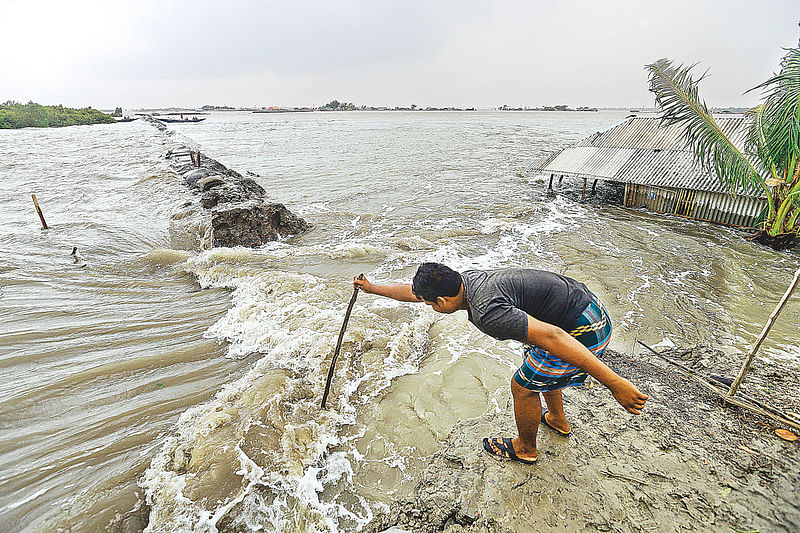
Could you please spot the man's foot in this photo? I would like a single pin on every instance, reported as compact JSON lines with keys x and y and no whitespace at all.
{"x":562,"y":428}
{"x":502,"y":448}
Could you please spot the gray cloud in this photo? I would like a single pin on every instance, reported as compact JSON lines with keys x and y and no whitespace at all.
{"x":193,"y":40}
{"x":472,"y":53}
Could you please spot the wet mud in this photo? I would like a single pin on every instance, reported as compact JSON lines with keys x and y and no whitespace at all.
{"x":686,"y":464}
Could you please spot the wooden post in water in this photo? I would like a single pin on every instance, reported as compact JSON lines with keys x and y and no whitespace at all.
{"x":583,"y":193}
{"x":594,"y":186}
{"x":764,"y":332}
{"x":550,"y":187}
{"x":339,"y":345}
{"x":39,"y":210}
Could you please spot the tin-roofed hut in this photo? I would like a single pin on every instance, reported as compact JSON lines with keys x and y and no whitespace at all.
{"x":659,"y":171}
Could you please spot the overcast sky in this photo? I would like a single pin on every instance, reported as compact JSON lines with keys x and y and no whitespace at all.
{"x":464,"y":53}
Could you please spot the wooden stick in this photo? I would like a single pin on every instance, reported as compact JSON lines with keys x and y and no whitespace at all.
{"x":721,"y":393}
{"x":669,"y":360}
{"x":339,"y":344}
{"x":764,"y":332}
{"x":620,"y":476}
{"x":38,"y":210}
{"x":765,"y":406}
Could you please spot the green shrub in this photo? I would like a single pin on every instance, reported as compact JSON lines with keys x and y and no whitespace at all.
{"x":32,"y":115}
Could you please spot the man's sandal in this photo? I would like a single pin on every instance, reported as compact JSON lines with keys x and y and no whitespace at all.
{"x":546,"y":423}
{"x":501,"y":448}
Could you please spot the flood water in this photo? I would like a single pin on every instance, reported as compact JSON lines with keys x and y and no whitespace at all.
{"x":152,"y":385}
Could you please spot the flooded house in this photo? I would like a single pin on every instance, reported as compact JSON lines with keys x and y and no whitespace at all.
{"x":658,"y":170}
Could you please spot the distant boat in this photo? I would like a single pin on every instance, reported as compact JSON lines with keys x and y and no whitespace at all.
{"x":126,"y":119}
{"x":181,"y":120}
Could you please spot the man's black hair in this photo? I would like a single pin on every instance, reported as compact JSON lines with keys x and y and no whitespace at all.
{"x":435,"y":279}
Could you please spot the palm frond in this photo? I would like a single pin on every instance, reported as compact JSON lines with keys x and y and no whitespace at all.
{"x":762,"y":216}
{"x":677,"y":95}
{"x":757,"y":142}
{"x":781,"y":115}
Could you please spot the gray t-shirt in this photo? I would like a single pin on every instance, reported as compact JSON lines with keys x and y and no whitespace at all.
{"x":498,"y":301}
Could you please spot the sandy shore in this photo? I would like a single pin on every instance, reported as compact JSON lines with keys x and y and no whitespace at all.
{"x":686,"y":464}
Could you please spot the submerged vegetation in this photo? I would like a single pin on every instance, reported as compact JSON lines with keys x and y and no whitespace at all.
{"x":771,"y":157}
{"x":32,"y":115}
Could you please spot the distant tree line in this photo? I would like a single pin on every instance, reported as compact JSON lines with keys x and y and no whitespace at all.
{"x":546,"y":108}
{"x":218,"y":108}
{"x":336,"y":105}
{"x":32,"y":115}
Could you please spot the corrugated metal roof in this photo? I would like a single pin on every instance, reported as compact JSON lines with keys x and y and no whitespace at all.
{"x":590,"y":160}
{"x":640,"y":151}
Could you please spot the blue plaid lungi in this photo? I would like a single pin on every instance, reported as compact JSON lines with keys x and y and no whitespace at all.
{"x":543,"y":372}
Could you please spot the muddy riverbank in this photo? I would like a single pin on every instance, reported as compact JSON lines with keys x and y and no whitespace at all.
{"x":687,"y":464}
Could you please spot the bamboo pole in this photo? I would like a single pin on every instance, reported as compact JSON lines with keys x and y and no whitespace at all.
{"x":339,"y":344}
{"x":39,"y":210}
{"x":721,"y":394}
{"x":764,"y":332}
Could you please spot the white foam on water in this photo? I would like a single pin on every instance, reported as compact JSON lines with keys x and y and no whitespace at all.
{"x":355,"y":249}
{"x":677,"y":278}
{"x":311,"y":208}
{"x":25,"y":500}
{"x":258,"y":453}
{"x":666,"y":342}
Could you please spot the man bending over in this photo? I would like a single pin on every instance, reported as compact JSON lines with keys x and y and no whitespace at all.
{"x":564,"y":328}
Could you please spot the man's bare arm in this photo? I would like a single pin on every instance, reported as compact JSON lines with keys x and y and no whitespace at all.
{"x":401,"y":292}
{"x":561,"y":344}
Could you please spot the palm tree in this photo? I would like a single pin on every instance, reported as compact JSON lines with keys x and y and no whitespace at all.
{"x":770,"y":159}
